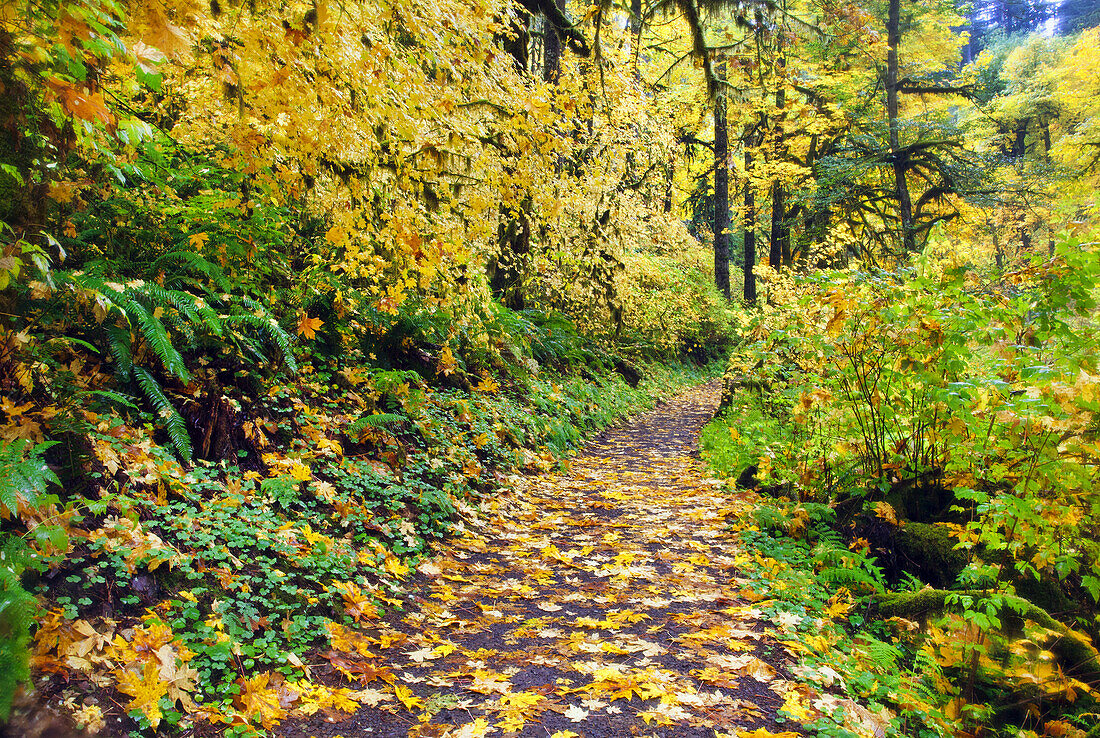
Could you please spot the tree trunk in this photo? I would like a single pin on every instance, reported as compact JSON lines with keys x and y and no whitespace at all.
{"x":508,"y":269}
{"x":780,"y":246}
{"x":670,"y":181}
{"x":1046,"y":150}
{"x":721,"y":191}
{"x":779,"y":250}
{"x":750,"y":225}
{"x":905,"y":205}
{"x":1019,"y":141}
{"x":551,"y":44}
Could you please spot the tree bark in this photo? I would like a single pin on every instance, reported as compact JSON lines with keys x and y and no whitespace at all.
{"x":905,"y":205}
{"x":1019,"y":140}
{"x":750,"y":224}
{"x":780,"y":246}
{"x":551,"y":44}
{"x":508,"y":269}
{"x":721,"y":191}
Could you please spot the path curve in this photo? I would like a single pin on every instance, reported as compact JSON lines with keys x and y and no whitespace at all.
{"x":603,"y":602}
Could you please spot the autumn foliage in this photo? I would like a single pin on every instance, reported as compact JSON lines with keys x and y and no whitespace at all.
{"x":290,"y":291}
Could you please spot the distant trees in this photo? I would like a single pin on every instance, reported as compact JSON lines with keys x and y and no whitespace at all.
{"x":1077,"y":15}
{"x":1007,"y":17}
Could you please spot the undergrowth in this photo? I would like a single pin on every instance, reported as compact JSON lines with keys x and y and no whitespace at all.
{"x":293,"y":507}
{"x":922,"y":446}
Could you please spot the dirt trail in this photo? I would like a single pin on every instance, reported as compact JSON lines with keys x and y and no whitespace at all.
{"x":605,"y":601}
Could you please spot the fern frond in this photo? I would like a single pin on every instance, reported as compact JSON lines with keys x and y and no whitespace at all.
{"x":839,"y":567}
{"x":28,"y":477}
{"x":116,"y":397}
{"x":118,"y":345}
{"x":883,"y":656}
{"x":152,"y":329}
{"x":208,"y":316}
{"x":16,"y":613}
{"x":197,"y":263}
{"x":268,"y":327}
{"x":377,"y":420}
{"x":173,"y":421}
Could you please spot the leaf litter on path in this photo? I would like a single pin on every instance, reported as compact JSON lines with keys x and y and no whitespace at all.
{"x":604,"y":600}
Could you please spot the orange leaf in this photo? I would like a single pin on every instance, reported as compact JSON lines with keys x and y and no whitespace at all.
{"x":80,"y":102}
{"x":307,"y":326}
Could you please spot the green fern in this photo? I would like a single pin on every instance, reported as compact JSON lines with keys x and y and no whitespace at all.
{"x":173,"y":421}
{"x":378,"y":420}
{"x":152,"y":329}
{"x":115,"y":398}
{"x":28,"y":477}
{"x":23,"y":473}
{"x":167,"y":319}
{"x":127,"y":300}
{"x":840,"y":567}
{"x":118,"y":346}
{"x":268,"y":327}
{"x":196,"y":262}
{"x":883,"y":656}
{"x":17,"y":609}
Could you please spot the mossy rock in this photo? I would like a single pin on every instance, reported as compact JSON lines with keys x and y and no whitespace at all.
{"x":928,"y":552}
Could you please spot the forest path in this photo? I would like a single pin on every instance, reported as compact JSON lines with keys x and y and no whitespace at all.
{"x":605,"y":601}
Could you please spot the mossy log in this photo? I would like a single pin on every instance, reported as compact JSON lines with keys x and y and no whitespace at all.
{"x":628,"y":370}
{"x":1075,"y":649}
{"x":929,"y":552}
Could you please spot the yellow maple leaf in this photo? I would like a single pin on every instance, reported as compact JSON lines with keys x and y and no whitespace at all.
{"x":477,"y":729}
{"x":301,"y":472}
{"x":357,"y":603}
{"x":394,"y":566}
{"x":259,"y":700}
{"x":444,"y":649}
{"x":886,"y":511}
{"x":146,"y":689}
{"x":487,"y":384}
{"x":520,"y":700}
{"x":406,"y":697}
{"x":307,"y":327}
{"x":512,"y":722}
{"x":447,"y":361}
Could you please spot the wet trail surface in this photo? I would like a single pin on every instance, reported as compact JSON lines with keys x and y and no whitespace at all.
{"x":600,"y":601}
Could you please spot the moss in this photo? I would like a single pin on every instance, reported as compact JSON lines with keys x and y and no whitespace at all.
{"x":1075,"y":651}
{"x":928,"y":552}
